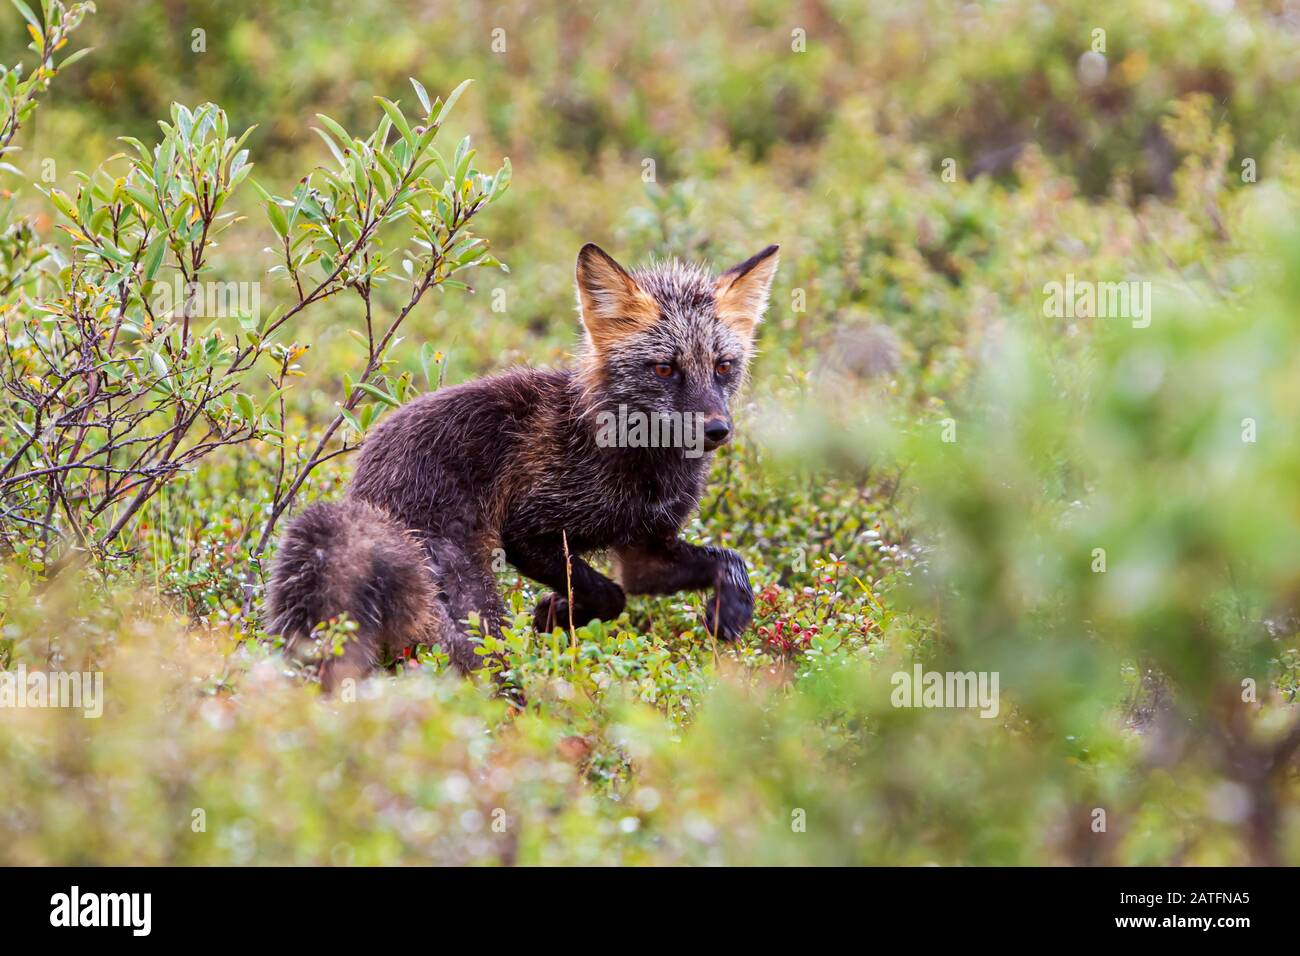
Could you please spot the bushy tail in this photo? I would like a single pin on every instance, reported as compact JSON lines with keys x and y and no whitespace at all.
{"x":352,"y":557}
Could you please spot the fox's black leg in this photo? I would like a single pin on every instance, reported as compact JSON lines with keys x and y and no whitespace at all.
{"x":668,"y":566}
{"x":466,"y":585}
{"x":594,"y":595}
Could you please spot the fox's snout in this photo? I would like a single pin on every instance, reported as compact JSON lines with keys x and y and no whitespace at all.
{"x":717,"y":431}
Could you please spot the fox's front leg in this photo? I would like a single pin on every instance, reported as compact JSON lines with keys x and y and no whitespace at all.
{"x":594,"y":595}
{"x":671,"y":565}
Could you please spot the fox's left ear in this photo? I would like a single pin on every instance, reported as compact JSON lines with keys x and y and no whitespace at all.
{"x":742,"y":291}
{"x":613,"y":306}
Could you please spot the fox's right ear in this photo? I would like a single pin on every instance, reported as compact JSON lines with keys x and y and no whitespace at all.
{"x":613,"y":305}
{"x":742,"y":291}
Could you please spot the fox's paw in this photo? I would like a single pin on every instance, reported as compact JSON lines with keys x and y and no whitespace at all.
{"x":728,"y":613}
{"x":552,"y":611}
{"x":604,"y":603}
{"x":730,"y":607}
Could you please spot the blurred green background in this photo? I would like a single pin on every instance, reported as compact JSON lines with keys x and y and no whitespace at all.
{"x":928,"y":169}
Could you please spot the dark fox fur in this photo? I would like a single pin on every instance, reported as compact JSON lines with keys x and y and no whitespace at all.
{"x":513,"y":465}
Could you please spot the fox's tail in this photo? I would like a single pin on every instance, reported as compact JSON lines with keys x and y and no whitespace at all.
{"x":352,"y":557}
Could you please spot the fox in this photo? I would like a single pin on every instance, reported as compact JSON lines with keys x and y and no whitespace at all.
{"x":524,"y":464}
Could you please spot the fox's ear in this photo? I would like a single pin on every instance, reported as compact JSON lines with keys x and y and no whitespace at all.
{"x":742,"y":291}
{"x":612,"y":304}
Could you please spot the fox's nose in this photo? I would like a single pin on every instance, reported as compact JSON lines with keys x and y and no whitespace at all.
{"x":716,"y":431}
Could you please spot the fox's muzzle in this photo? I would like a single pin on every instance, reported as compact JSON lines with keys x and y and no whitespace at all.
{"x":716,"y":433}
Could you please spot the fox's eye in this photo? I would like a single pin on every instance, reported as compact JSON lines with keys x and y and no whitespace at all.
{"x":663,"y":369}
{"x":723,"y":367}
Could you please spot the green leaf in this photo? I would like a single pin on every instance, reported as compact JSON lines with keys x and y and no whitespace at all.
{"x":261,"y":191}
{"x":338,"y":155}
{"x":380,"y":136}
{"x":297,"y":206}
{"x":184,"y":123}
{"x":63,"y":204}
{"x":74,"y":57}
{"x":163,"y":166}
{"x":389,"y":168}
{"x":108,"y":251}
{"x":426,"y":138}
{"x":240,"y":142}
{"x":501,"y":182}
{"x":441,"y":163}
{"x":154,"y":257}
{"x":358,"y":170}
{"x":144,"y":199}
{"x":26,"y":11}
{"x":352,"y":420}
{"x":99,"y":220}
{"x":398,"y":119}
{"x":270,"y":400}
{"x":423,"y":95}
{"x":464,"y":156}
{"x":451,"y":101}
{"x":376,"y":392}
{"x":276,"y":215}
{"x":336,"y":128}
